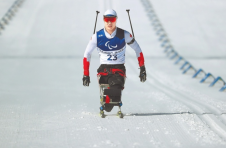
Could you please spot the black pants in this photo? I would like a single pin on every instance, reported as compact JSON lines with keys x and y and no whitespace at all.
{"x":115,"y":81}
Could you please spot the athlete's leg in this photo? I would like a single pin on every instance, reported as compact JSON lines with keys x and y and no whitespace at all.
{"x":116,"y":81}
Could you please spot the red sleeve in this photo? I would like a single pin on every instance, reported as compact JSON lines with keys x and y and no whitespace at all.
{"x":141,"y":60}
{"x":86,"y":67}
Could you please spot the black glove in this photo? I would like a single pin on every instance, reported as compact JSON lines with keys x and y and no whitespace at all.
{"x":142,"y":74}
{"x":86,"y":80}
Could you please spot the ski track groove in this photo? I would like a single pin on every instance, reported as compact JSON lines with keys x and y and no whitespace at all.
{"x":215,"y":125}
{"x":213,"y":122}
{"x":197,"y":107}
{"x":206,"y":108}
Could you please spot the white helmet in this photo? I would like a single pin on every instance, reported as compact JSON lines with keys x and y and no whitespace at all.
{"x":110,"y":13}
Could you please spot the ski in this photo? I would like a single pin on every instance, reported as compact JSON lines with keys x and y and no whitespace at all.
{"x":120,"y":114}
{"x":102,"y":115}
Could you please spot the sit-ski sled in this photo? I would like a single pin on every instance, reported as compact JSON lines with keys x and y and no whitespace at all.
{"x":109,"y":98}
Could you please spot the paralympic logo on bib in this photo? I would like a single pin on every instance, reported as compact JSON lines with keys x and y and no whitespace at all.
{"x":109,"y":46}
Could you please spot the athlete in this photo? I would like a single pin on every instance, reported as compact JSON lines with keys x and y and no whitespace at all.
{"x":110,"y":43}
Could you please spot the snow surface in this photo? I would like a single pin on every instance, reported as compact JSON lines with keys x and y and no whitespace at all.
{"x":4,"y":6}
{"x":43,"y":102}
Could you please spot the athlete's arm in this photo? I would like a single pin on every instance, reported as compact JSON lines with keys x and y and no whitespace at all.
{"x":135,"y":46}
{"x":87,"y":55}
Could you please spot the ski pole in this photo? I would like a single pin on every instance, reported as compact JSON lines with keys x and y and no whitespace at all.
{"x":95,"y":22}
{"x":130,"y":22}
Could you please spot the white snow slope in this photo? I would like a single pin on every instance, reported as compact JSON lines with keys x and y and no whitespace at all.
{"x":43,"y":102}
{"x":4,"y":6}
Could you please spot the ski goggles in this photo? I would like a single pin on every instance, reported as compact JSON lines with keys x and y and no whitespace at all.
{"x":111,"y":19}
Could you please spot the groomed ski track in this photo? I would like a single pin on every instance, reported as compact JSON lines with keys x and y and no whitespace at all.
{"x":43,"y":102}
